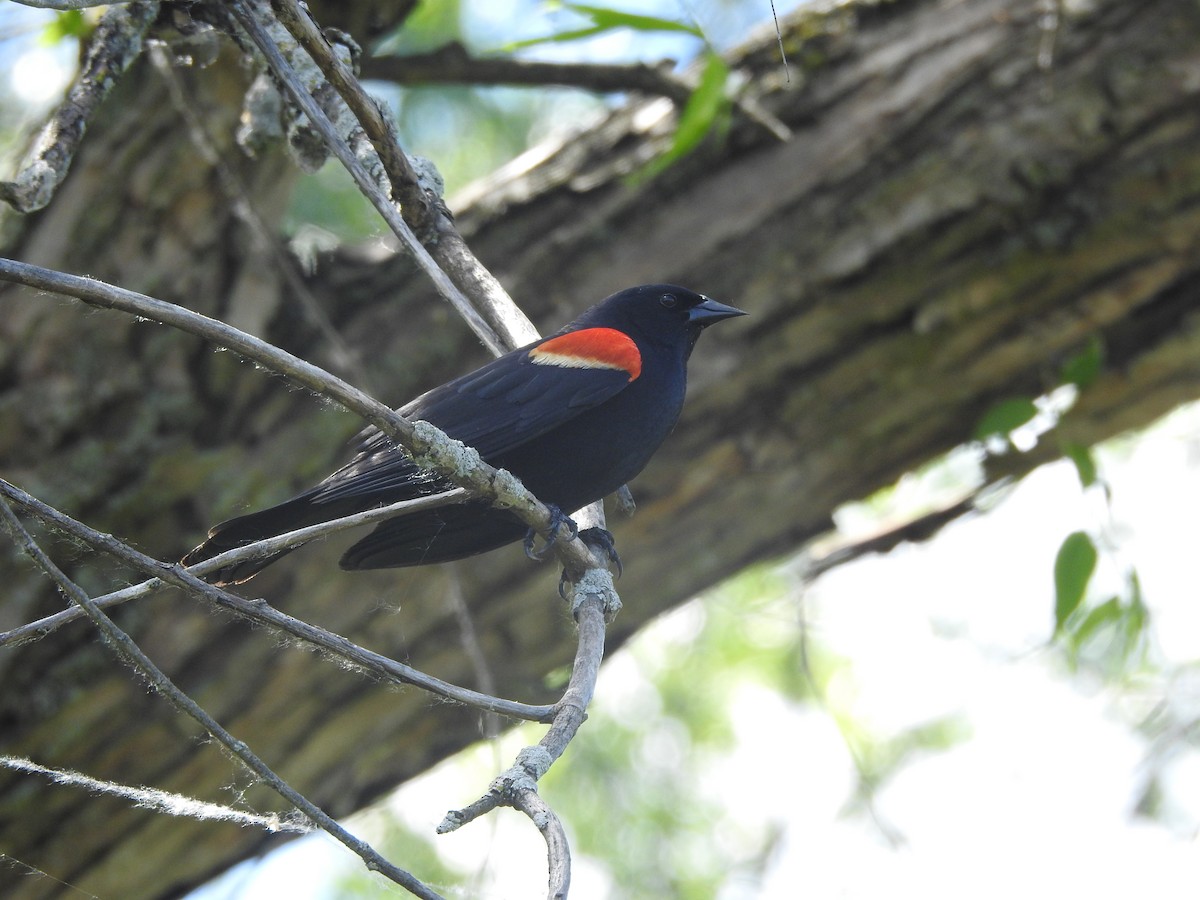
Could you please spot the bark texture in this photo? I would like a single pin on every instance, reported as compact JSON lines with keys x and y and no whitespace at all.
{"x":951,"y":220}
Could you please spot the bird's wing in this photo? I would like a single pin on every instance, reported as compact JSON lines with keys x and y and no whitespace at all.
{"x":506,"y":403}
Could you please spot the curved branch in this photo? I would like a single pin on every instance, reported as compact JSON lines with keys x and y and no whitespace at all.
{"x":453,"y":64}
{"x":133,"y":656}
{"x":517,"y":787}
{"x":112,"y":49}
{"x":259,"y":611}
{"x":558,"y":851}
{"x":257,"y":550}
{"x":429,"y":446}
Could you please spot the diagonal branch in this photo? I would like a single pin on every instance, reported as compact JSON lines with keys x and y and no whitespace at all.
{"x":257,"y":550}
{"x":259,"y":611}
{"x":453,"y":64}
{"x":112,"y":49}
{"x":430,"y":447}
{"x":162,"y":801}
{"x":284,"y":72}
{"x":447,"y":247}
{"x":133,"y":656}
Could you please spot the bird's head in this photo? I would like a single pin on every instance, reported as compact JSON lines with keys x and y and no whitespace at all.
{"x":660,"y":313}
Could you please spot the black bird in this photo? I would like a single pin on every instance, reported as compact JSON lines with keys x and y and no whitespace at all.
{"x":574,"y":416}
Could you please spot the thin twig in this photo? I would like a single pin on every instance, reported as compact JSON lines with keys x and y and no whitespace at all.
{"x":453,"y":64}
{"x":133,"y":656}
{"x":262,"y":613}
{"x":517,"y":787}
{"x":429,"y":446}
{"x":237,"y":195}
{"x":163,"y":801}
{"x":779,"y":38}
{"x":448,"y":248}
{"x":471,"y":646}
{"x":257,"y":550}
{"x":285,"y":74}
{"x":116,"y":43}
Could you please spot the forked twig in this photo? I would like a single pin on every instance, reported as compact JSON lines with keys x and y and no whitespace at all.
{"x":259,"y":611}
{"x":133,"y":656}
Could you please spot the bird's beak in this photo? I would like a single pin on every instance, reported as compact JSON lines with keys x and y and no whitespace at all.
{"x":704,"y":314}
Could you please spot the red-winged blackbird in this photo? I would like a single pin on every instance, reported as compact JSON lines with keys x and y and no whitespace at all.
{"x":574,"y":416}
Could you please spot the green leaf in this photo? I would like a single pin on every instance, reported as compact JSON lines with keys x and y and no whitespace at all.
{"x":1005,"y":416}
{"x":609,"y":19}
{"x":1134,"y":582}
{"x":1133,"y":630}
{"x":1085,"y":464}
{"x":576,"y":34}
{"x":704,"y":112}
{"x":1085,"y":366}
{"x":706,"y":103}
{"x":430,"y":26}
{"x":1073,"y":568}
{"x":1106,"y":615}
{"x":606,"y":20}
{"x":68,"y":24}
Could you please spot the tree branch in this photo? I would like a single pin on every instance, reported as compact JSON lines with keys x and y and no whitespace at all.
{"x":261,"y":612}
{"x":429,"y":446}
{"x":447,"y":246}
{"x":133,"y":656}
{"x":163,"y":801}
{"x":453,"y":64}
{"x":286,"y":76}
{"x":517,"y":787}
{"x":116,"y":43}
{"x":257,"y":550}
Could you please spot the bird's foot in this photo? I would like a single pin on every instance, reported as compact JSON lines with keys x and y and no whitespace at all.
{"x":601,"y":541}
{"x":558,"y":520}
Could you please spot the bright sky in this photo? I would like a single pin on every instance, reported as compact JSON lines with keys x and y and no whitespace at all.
{"x":37,"y":72}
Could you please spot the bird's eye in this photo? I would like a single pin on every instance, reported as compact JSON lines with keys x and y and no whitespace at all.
{"x":670,"y":301}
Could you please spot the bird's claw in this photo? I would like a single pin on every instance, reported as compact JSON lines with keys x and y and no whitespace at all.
{"x":558,"y":519}
{"x":601,"y":540}
{"x":598,"y":539}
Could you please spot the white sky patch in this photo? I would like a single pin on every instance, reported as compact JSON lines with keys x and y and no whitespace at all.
{"x":40,"y":75}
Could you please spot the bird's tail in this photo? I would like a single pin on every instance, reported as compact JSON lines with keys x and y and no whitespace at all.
{"x":438,"y":535}
{"x":229,"y":535}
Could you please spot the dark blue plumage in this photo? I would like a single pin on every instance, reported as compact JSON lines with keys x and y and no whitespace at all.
{"x":574,"y":416}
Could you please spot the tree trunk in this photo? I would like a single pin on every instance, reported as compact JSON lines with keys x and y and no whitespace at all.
{"x":968,"y":198}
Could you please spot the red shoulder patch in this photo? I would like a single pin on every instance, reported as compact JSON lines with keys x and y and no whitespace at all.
{"x":590,"y":348}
